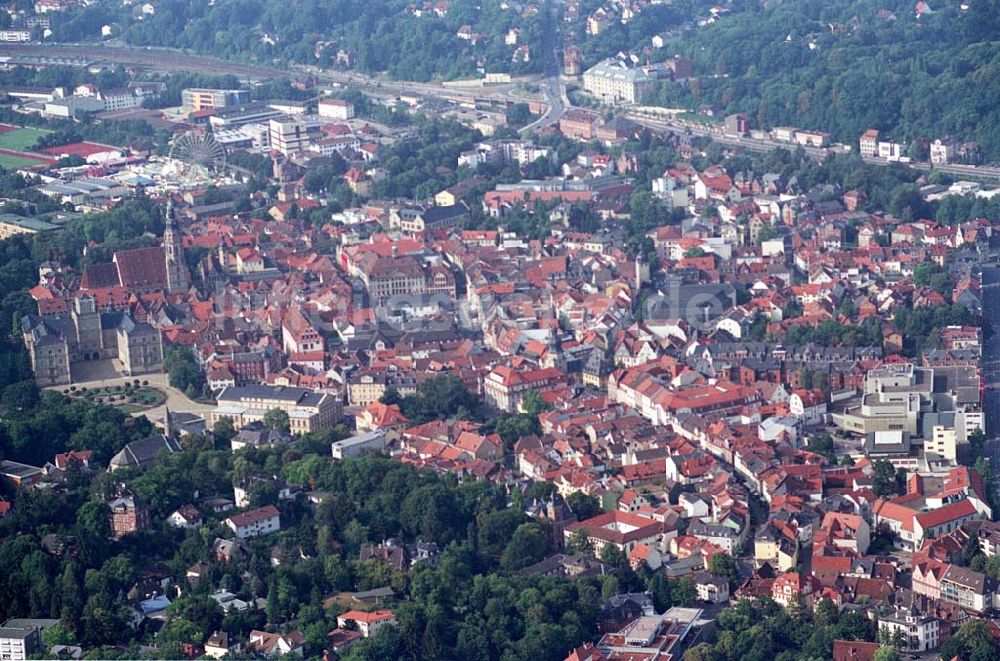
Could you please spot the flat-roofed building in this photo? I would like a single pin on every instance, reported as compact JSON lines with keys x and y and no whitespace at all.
{"x":336,"y":109}
{"x":200,"y":98}
{"x":22,"y":637}
{"x":236,"y":116}
{"x":15,"y":35}
{"x":20,"y":476}
{"x":69,"y":107}
{"x":289,"y":107}
{"x":895,"y":397}
{"x":288,"y":135}
{"x":648,"y":636}
{"x":892,"y":446}
{"x":372,"y":441}
{"x":80,"y":191}
{"x":12,"y":225}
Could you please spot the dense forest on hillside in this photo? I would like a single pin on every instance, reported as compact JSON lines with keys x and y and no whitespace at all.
{"x":383,"y":36}
{"x":845,"y":67}
{"x":841,"y":66}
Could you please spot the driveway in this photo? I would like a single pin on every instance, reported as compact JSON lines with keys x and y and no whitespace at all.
{"x":102,"y":373}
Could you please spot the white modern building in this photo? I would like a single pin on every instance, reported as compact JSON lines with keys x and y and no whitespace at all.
{"x":335,"y":109}
{"x":22,"y":637}
{"x":15,"y":35}
{"x":288,"y":135}
{"x":372,"y":441}
{"x":942,"y":151}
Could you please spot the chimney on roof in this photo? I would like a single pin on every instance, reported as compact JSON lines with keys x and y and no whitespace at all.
{"x":395,"y":250}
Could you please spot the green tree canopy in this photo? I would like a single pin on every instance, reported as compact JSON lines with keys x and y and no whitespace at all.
{"x":277,"y":420}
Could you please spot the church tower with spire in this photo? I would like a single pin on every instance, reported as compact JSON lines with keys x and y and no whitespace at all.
{"x":168,"y":427}
{"x":178,"y":279}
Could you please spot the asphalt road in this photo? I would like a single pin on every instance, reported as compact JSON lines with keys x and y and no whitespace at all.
{"x":171,"y":60}
{"x":990,"y":364}
{"x":154,"y":58}
{"x":552,"y":87}
{"x":991,"y":352}
{"x":554,"y":93}
{"x":717,"y":134}
{"x":972,"y":171}
{"x":163,"y":59}
{"x":969,"y":171}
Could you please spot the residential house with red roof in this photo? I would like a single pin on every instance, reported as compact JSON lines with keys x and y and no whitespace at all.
{"x":791,"y":588}
{"x":255,"y":523}
{"x":274,"y":645}
{"x":622,"y":530}
{"x":854,"y":650}
{"x":844,"y":531}
{"x":808,"y":405}
{"x":368,"y":623}
{"x":504,"y":387}
{"x":914,"y":520}
{"x":380,"y":416}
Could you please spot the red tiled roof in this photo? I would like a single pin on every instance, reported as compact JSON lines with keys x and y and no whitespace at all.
{"x":950,"y":512}
{"x":834,"y":563}
{"x":62,"y":459}
{"x":142,"y":267}
{"x":854,"y":650}
{"x":362,"y":616}
{"x":99,"y":276}
{"x":896,"y":512}
{"x":253,"y":516}
{"x":597,"y":526}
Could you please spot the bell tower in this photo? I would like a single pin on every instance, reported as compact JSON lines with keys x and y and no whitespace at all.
{"x":178,"y":279}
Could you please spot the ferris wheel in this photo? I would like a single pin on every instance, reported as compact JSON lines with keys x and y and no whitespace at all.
{"x":198,"y":154}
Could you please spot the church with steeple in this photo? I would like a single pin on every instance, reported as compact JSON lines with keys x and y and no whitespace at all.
{"x":178,"y":278}
{"x":144,"y":270}
{"x":99,"y":323}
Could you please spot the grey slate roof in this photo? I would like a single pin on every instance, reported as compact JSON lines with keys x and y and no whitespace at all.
{"x":142,"y":453}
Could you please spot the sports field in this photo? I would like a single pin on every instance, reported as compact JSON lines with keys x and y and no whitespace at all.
{"x":11,"y":162}
{"x":20,"y":139}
